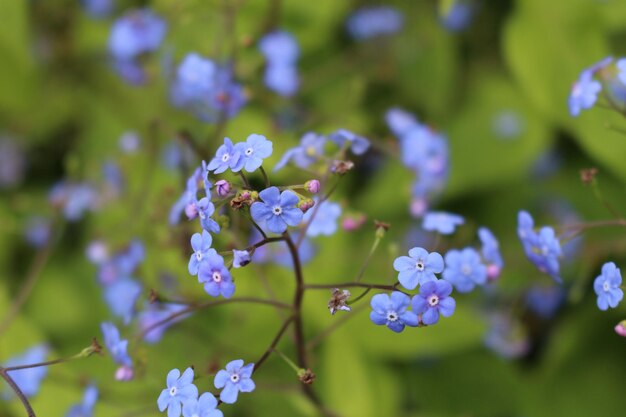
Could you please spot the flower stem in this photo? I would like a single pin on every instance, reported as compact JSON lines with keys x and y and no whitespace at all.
{"x":265,"y":177}
{"x":18,"y":392}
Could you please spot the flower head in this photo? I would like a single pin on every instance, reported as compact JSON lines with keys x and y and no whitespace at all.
{"x":156,"y":313}
{"x":205,"y":406}
{"x":277,"y":210}
{"x":442,"y":222}
{"x":370,"y":22}
{"x":254,"y":150}
{"x":121,"y":297}
{"x":543,"y":248}
{"x":358,"y":144}
{"x":392,"y":312}
{"x":311,"y":148}
{"x":325,"y":220}
{"x":216,"y":277}
{"x":180,"y":390}
{"x":279,"y":47}
{"x":227,"y":156}
{"x":491,"y":252}
{"x":205,"y":211}
{"x":620,"y":328}
{"x":434,"y":299}
{"x":418,"y":268}
{"x":235,"y":378}
{"x":584,"y":93}
{"x":464,"y":270}
{"x":116,"y":346}
{"x":137,"y":32}
{"x":607,"y":287}
{"x":201,"y":244}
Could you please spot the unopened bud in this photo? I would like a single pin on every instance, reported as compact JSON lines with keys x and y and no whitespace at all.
{"x":493,"y":272}
{"x":124,"y":373}
{"x":353,"y":222}
{"x":222,"y":187}
{"x":245,"y":197}
{"x":305,"y":204}
{"x":306,"y":376}
{"x":381,"y":228}
{"x":620,"y":329}
{"x":419,"y":206}
{"x":312,"y":186}
{"x":191,"y":210}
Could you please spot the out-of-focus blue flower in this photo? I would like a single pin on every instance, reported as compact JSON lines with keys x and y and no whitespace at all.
{"x":131,"y":71}
{"x":507,"y":124}
{"x":607,"y":287}
{"x":98,"y":9}
{"x":156,"y":313}
{"x":418,"y":268}
{"x":491,"y":252}
{"x":434,"y":299}
{"x":201,"y":244}
{"x":255,"y":149}
{"x":130,"y":142}
{"x":216,"y":277}
{"x":240,"y":258}
{"x":227,"y":156}
{"x":311,"y":148}
{"x":458,"y":17}
{"x":116,"y":346}
{"x":205,"y":211}
{"x":180,"y":390}
{"x":235,"y":378}
{"x":113,"y":179}
{"x":279,"y":47}
{"x":12,"y":163}
{"x":621,"y":68}
{"x":137,"y":32}
{"x":38,"y":231}
{"x":585,"y":90}
{"x":121,"y":265}
{"x":506,"y":337}
{"x":74,"y":199}
{"x":358,"y":144}
{"x":85,"y":408}
{"x":374,"y":21}
{"x":325,"y":220}
{"x":464,"y":270}
{"x":121,"y":297}
{"x":282,"y":79}
{"x":28,"y":379}
{"x":175,"y":155}
{"x":441,"y":222}
{"x":205,"y":406}
{"x":400,"y":121}
{"x":392,"y":311}
{"x":277,"y":210}
{"x":543,"y":249}
{"x":545,"y":301}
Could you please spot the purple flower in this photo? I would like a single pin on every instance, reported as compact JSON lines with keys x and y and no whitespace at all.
{"x":458,"y":17}
{"x":116,"y":346}
{"x":491,"y":252}
{"x":254,"y":150}
{"x":85,"y":408}
{"x":215,"y":276}
{"x":179,"y":391}
{"x":358,"y":144}
{"x":156,"y":313}
{"x":121,"y":297}
{"x":418,"y":268}
{"x":28,"y":379}
{"x":311,"y":148}
{"x":585,"y":90}
{"x":277,"y":210}
{"x":374,"y":21}
{"x":607,"y":287}
{"x":325,"y":220}
{"x":279,"y":47}
{"x":543,"y":249}
{"x":240,"y":258}
{"x":441,"y":222}
{"x":205,"y":211}
{"x":464,"y":270}
{"x":205,"y":406}
{"x":227,"y":156}
{"x":222,"y":187}
{"x":400,"y":121}
{"x":434,"y":299}
{"x":74,"y":199}
{"x":235,"y":378}
{"x":392,"y":311}
{"x":201,"y":245}
{"x":129,"y":142}
{"x":137,"y":32}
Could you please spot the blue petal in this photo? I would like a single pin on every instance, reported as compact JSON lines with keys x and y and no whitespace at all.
{"x":292,"y":216}
{"x":164,"y":399}
{"x":229,"y":393}
{"x":221,"y":378}
{"x":172,"y":377}
{"x":430,"y":316}
{"x":271,"y":196}
{"x":276,"y":224}
{"x":246,"y":385}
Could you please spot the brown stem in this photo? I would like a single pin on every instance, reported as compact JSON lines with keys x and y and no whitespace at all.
{"x":351,"y":284}
{"x":297,"y":303}
{"x":18,"y":392}
{"x":272,"y":345}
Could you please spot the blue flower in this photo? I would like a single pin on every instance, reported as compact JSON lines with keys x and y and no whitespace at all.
{"x":418,"y":268}
{"x":75,"y":199}
{"x":279,"y":47}
{"x":282,"y":79}
{"x":464,"y":270}
{"x":180,"y":390}
{"x":507,"y":337}
{"x":400,"y":121}
{"x":311,"y":148}
{"x":441,"y":222}
{"x":205,"y":211}
{"x":277,"y":210}
{"x":621,"y":68}
{"x":240,"y":258}
{"x":236,"y":377}
{"x":434,"y":299}
{"x":607,"y":287}
{"x":374,"y":21}
{"x":137,"y":32}
{"x":584,"y":93}
{"x":85,"y":408}
{"x":38,"y":231}
{"x":122,"y":264}
{"x":28,"y":379}
{"x":491,"y":252}
{"x":201,"y":244}
{"x":121,"y":297}
{"x":215,"y":276}
{"x":116,"y":346}
{"x":227,"y":156}
{"x":545,"y":301}
{"x":543,"y":249}
{"x":392,"y":311}
{"x":278,"y":252}
{"x":458,"y":17}
{"x":325,"y":220}
{"x":205,"y":406}
{"x":254,"y":150}
{"x":98,"y":8}
{"x":156,"y":313}
{"x":358,"y":144}
{"x":12,"y":163}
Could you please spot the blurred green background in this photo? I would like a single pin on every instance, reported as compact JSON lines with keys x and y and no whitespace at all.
{"x":66,"y":109}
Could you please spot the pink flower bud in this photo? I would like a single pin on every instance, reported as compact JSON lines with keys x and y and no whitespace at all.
{"x":124,"y":373}
{"x":493,"y":272}
{"x":222,"y":187}
{"x":306,"y":204}
{"x":419,"y":206}
{"x":620,"y":329}
{"x":312,"y":186}
{"x":351,"y":223}
{"x":191,"y":210}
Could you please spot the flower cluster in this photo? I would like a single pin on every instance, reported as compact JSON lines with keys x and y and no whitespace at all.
{"x":542,"y":248}
{"x":607,"y":76}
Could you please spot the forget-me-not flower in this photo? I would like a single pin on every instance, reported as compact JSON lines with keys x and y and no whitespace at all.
{"x":205,"y":406}
{"x":392,"y":312}
{"x":325,"y":220}
{"x":418,"y":268}
{"x":216,"y":277}
{"x":227,"y":156}
{"x":277,"y":210}
{"x":434,"y":299}
{"x":201,"y":244}
{"x":310,"y":150}
{"x":358,"y":144}
{"x":85,"y":408}
{"x":607,"y":287}
{"x":584,"y":93}
{"x":441,"y":222}
{"x":464,"y":269}
{"x":254,"y":150}
{"x":179,"y":391}
{"x":235,"y":378}
{"x":28,"y":379}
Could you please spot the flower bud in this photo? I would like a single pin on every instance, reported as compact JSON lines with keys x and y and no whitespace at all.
{"x":191,"y":210}
{"x":222,"y":187}
{"x":124,"y":373}
{"x":419,"y":206}
{"x":381,"y":228}
{"x":493,"y":272}
{"x":306,"y":376}
{"x":305,"y":204}
{"x":351,"y":223}
{"x":620,"y":328}
{"x":312,"y":186}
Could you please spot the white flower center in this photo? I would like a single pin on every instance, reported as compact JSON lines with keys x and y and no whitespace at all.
{"x":420,"y":265}
{"x":173,"y":391}
{"x":217,"y":277}
{"x":234,"y":378}
{"x":392,"y":316}
{"x":277,"y":210}
{"x":199,"y":256}
{"x":606,"y":286}
{"x":249,"y":151}
{"x":433,"y":300}
{"x":225,"y":157}
{"x":466,"y":269}
{"x":202,"y":214}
